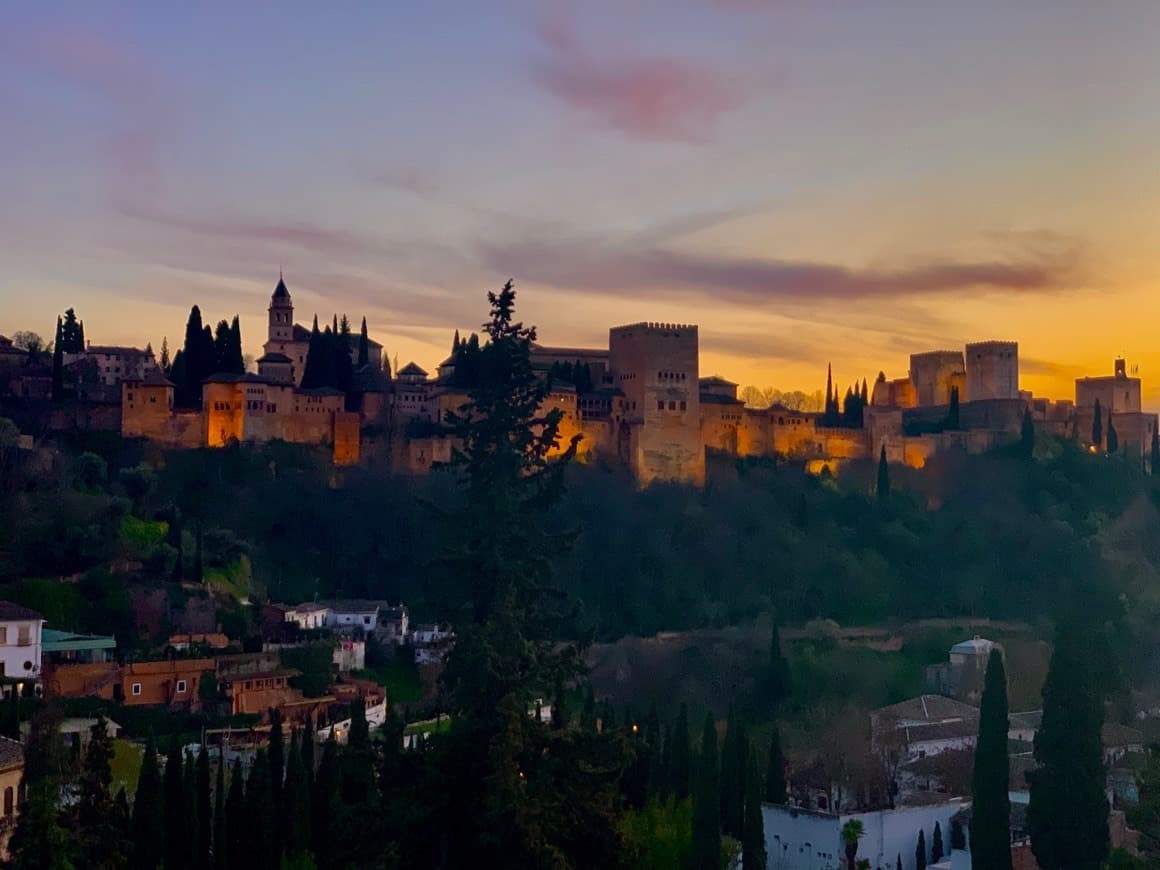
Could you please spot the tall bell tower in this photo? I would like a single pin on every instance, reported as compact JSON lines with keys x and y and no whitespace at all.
{"x":281,"y":311}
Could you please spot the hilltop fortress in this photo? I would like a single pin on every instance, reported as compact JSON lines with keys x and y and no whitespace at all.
{"x":640,"y":402}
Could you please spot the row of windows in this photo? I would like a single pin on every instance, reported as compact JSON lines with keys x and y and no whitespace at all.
{"x":672,"y":406}
{"x":672,"y":376}
{"x":411,"y":397}
{"x":23,"y":635}
{"x":182,"y":688}
{"x":628,"y":376}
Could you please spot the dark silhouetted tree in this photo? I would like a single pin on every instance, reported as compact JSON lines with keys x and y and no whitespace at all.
{"x":1098,"y":425}
{"x":177,"y":839}
{"x":953,"y":416}
{"x":1067,"y":816}
{"x":58,"y":364}
{"x":220,"y":820}
{"x":707,"y":803}
{"x":680,"y":772}
{"x":1154,"y":465}
{"x":72,"y":336}
{"x":165,"y":362}
{"x":1113,"y":436}
{"x":237,"y":837}
{"x":936,"y":844}
{"x":775,"y":771}
{"x":883,"y":476}
{"x":920,"y":851}
{"x":753,"y":834}
{"x":148,"y":812}
{"x":204,"y":810}
{"x":39,"y":842}
{"x":364,"y":347}
{"x":991,"y":813}
{"x":101,"y":834}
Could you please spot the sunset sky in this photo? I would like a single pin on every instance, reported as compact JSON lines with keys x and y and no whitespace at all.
{"x":807,"y":180}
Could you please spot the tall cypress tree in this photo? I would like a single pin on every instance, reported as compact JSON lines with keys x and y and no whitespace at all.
{"x":190,"y":808}
{"x":39,"y":842}
{"x":277,"y":757}
{"x":58,"y":364}
{"x":753,"y":836}
{"x":237,"y":836}
{"x":1154,"y":466}
{"x":778,"y":676}
{"x":936,"y":844}
{"x":681,"y":769}
{"x":707,"y":803}
{"x":222,"y":351}
{"x":953,"y":415}
{"x":165,"y":362}
{"x":295,"y":823}
{"x":732,"y":811}
{"x":312,"y":373}
{"x":176,"y":830}
{"x":236,"y":359}
{"x":1113,"y":436}
{"x":883,"y":476}
{"x":1067,"y":816}
{"x":325,"y":797}
{"x":261,"y":844}
{"x":204,"y":810}
{"x":991,"y":808}
{"x":775,"y":771}
{"x":220,"y":821}
{"x":148,"y":812}
{"x":1098,"y":425}
{"x":920,"y":851}
{"x":97,"y":830}
{"x":364,"y":347}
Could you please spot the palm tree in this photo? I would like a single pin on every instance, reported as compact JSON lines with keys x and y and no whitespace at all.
{"x":852,"y":832}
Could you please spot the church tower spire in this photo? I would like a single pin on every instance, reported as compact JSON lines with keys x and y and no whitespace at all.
{"x":281,"y":311}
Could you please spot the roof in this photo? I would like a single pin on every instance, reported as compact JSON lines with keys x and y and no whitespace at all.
{"x":1115,"y":735}
{"x":301,"y":333}
{"x":280,"y":292}
{"x":11,"y":753}
{"x":716,"y":380}
{"x":411,"y":369}
{"x":212,"y":639}
{"x":308,"y":607}
{"x":931,"y":708}
{"x":274,"y":358}
{"x":10,"y":612}
{"x":112,"y":349}
{"x":975,"y":646}
{"x":65,"y":641}
{"x":353,"y":605}
{"x":153,"y":377}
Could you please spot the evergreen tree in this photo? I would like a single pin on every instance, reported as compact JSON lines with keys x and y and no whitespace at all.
{"x":39,"y":842}
{"x":261,"y":841}
{"x":148,"y":812}
{"x":990,"y":822}
{"x":883,"y":476}
{"x":732,"y":808}
{"x":512,"y":771}
{"x":707,"y":803}
{"x":778,"y":681}
{"x":1027,"y":435}
{"x":190,"y":810}
{"x":236,"y":360}
{"x":680,"y":775}
{"x":953,"y":421}
{"x":1113,"y":436}
{"x":176,"y":830}
{"x":866,"y":394}
{"x":165,"y":361}
{"x":204,"y":810}
{"x":1154,"y":465}
{"x":277,"y":757}
{"x":199,"y":360}
{"x":312,"y":373}
{"x":324,"y":798}
{"x":898,"y":864}
{"x":959,"y":837}
{"x":221,"y":346}
{"x":364,"y":347}
{"x":101,"y":840}
{"x":295,"y":824}
{"x":1067,"y":816}
{"x":1098,"y":425}
{"x":237,"y":836}
{"x":308,"y":749}
{"x":58,"y":364}
{"x":72,"y":336}
{"x":753,"y":834}
{"x":831,"y":399}
{"x":920,"y":851}
{"x":775,"y":771}
{"x":936,"y":844}
{"x":220,"y":822}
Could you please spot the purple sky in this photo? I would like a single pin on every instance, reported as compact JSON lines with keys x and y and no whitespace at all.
{"x":808,"y":181}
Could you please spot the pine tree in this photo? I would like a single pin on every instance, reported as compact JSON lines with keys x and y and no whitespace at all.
{"x":990,"y":822}
{"x":883,"y":476}
{"x":1098,"y":425}
{"x":204,"y":810}
{"x":72,"y":337}
{"x":1113,"y":436}
{"x":681,"y":769}
{"x":176,"y":830}
{"x":148,"y":812}
{"x":936,"y":845}
{"x":101,"y":840}
{"x":1067,"y":816}
{"x":707,"y":803}
{"x":1027,"y":435}
{"x":58,"y":364}
{"x":775,"y":771}
{"x":220,"y":821}
{"x":364,"y":347}
{"x":753,"y":834}
{"x":165,"y":361}
{"x":237,"y":836}
{"x":221,"y":347}
{"x":920,"y":851}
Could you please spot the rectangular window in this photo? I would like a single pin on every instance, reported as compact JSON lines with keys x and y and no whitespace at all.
{"x":23,"y":635}
{"x":683,"y":406}
{"x":3,"y":635}
{"x":135,"y":689}
{"x":660,"y":406}
{"x":181,"y":687}
{"x":672,"y":406}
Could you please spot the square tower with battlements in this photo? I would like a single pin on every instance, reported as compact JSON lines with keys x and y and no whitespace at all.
{"x":992,"y":370}
{"x":655,"y":366}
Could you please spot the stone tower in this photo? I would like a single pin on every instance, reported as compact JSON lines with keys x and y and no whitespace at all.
{"x":281,"y":311}
{"x":655,"y":366}
{"x":992,"y":370}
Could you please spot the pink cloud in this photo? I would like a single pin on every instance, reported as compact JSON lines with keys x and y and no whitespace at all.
{"x":655,"y":98}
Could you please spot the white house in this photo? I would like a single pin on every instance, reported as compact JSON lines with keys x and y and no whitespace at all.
{"x":353,"y":614}
{"x":924,"y":726}
{"x":308,"y":616}
{"x":20,"y":641}
{"x":429,"y":634}
{"x":350,"y":655}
